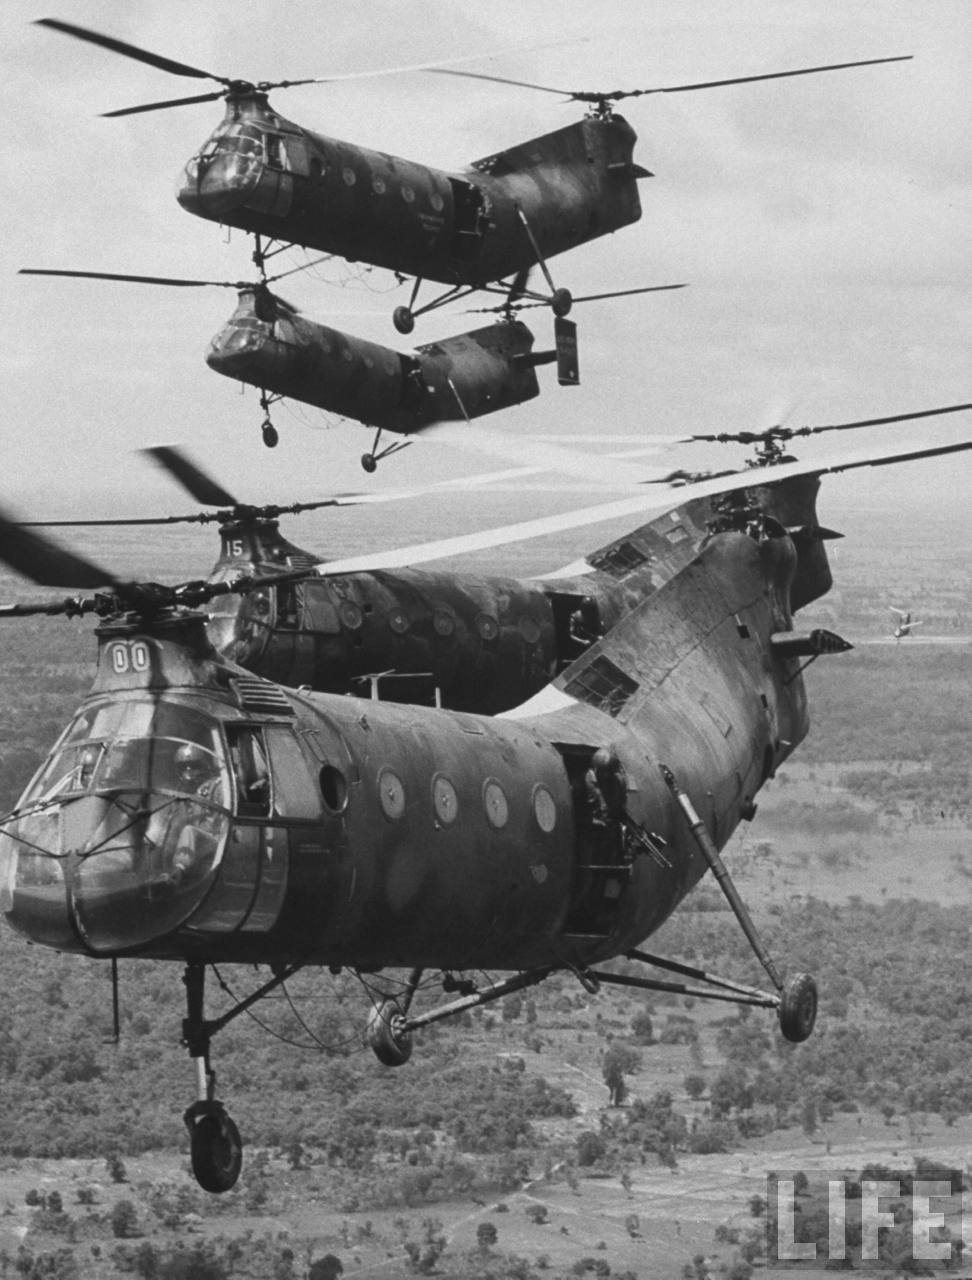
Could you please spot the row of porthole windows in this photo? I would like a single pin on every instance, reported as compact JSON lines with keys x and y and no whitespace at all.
{"x":380,"y":187}
{"x":443,"y":623}
{"x":445,"y":798}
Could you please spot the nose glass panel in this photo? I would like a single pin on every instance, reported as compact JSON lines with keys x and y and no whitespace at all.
{"x":122,"y":830}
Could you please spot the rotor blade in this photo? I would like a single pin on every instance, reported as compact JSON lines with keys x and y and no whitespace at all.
{"x":25,"y":609}
{"x":535,"y":453}
{"x":192,"y":478}
{"x":164,"y":105}
{"x":118,"y":275}
{"x":594,"y":297}
{"x":787,"y":433}
{"x":770,"y":75}
{"x":521,"y":84}
{"x":615,"y":95}
{"x":653,"y":502}
{"x":46,"y":563}
{"x":876,"y":422}
{"x":128,"y":50}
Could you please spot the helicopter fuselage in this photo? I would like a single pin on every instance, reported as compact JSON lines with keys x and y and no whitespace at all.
{"x":346,"y":832}
{"x":465,"y":376}
{"x":266,"y":175}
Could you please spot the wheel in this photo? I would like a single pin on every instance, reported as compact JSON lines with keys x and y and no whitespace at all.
{"x":216,"y":1149}
{"x":798,"y":1007}
{"x":403,"y":320}
{"x":270,"y":436}
{"x":369,"y":462}
{"x":561,"y":302}
{"x":387,"y":1036}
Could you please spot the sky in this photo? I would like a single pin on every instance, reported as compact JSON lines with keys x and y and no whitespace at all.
{"x":822,"y":225}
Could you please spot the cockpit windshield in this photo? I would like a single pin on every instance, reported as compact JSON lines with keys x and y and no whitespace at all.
{"x":125,"y":825}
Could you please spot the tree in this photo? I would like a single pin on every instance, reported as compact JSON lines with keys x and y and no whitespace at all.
{"x":590,"y":1148}
{"x":619,"y":1060}
{"x":124,"y":1220}
{"x":694,"y":1086}
{"x":642,"y":1028}
{"x":327,"y":1268}
{"x":486,"y":1236}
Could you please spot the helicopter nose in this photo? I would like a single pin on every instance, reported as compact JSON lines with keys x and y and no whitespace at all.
{"x":235,"y":347}
{"x":213,"y":186}
{"x":108,"y":873}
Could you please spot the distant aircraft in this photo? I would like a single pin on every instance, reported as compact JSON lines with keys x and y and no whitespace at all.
{"x":904,"y":626}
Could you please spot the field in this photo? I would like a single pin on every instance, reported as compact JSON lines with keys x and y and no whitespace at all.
{"x":495,"y":1152}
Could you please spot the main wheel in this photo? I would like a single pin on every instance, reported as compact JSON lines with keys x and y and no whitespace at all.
{"x":387,"y":1035}
{"x":403,"y":320}
{"x":561,"y":302}
{"x":798,"y":1007}
{"x":369,"y":462}
{"x":270,"y":436}
{"x":216,"y":1149}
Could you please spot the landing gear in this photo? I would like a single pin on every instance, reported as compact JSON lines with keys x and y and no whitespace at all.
{"x":370,"y":460}
{"x":796,"y":997}
{"x":215,"y":1146}
{"x":561,"y":302}
{"x":388,"y":1035}
{"x":270,"y":436}
{"x":798,"y":1007}
{"x":403,"y":319}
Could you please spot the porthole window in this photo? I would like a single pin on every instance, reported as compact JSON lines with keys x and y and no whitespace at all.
{"x":544,"y":808}
{"x":391,"y":793}
{"x":436,"y":201}
{"x":408,"y":194}
{"x":351,"y":615}
{"x":349,"y":176}
{"x":530,"y":630}
{"x":444,"y":800}
{"x":495,"y":803}
{"x":487,"y":626}
{"x":334,"y":788}
{"x":378,"y":185}
{"x":443,"y":622}
{"x":398,"y":621}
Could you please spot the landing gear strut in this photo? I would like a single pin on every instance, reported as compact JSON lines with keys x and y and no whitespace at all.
{"x":796,"y":998}
{"x":215,"y":1146}
{"x":370,"y":460}
{"x":270,"y":434}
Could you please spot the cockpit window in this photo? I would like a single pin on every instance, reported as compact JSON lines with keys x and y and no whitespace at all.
{"x":135,"y":746}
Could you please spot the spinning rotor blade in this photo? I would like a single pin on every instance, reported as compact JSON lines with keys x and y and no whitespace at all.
{"x":651,"y":503}
{"x":787,"y":433}
{"x":616,"y":95}
{"x":45,"y":563}
{"x":193,"y":479}
{"x":128,"y":50}
{"x":117,"y":275}
{"x":231,"y":85}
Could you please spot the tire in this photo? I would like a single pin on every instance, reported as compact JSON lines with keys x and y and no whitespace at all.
{"x":561,"y":302}
{"x":403,"y":320}
{"x":392,"y":1045}
{"x":369,"y":462}
{"x":798,"y":1007}
{"x":216,"y":1151}
{"x":270,"y":437}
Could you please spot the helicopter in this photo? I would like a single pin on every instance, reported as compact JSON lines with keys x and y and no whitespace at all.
{"x":905,"y":623}
{"x":468,"y":642}
{"x":196,"y":813}
{"x":475,"y":230}
{"x":269,"y":344}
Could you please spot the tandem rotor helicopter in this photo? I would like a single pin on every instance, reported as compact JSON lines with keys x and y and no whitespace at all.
{"x":481,"y":229}
{"x":192,"y":811}
{"x":268,"y":344}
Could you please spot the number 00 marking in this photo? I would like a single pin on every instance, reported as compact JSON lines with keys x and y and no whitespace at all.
{"x":129,"y":656}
